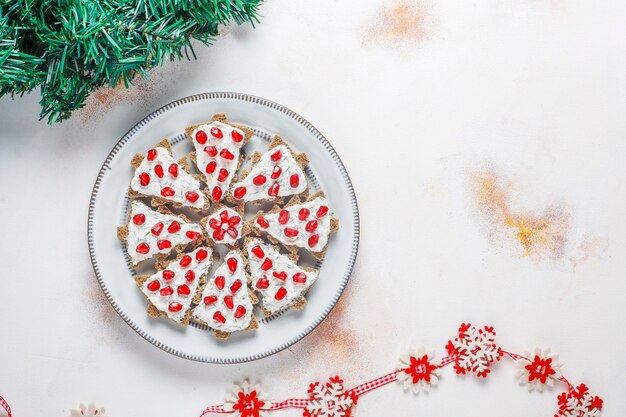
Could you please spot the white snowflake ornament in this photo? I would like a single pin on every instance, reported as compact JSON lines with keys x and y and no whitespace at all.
{"x":474,"y":350}
{"x":247,"y":400}
{"x":330,"y":400}
{"x":417,"y":371}
{"x":88,"y":411}
{"x":541,"y":370}
{"x":578,"y":402}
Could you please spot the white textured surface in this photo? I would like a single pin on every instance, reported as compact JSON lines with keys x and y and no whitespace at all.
{"x":532,"y":91}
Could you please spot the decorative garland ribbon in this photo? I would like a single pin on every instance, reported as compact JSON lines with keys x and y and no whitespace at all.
{"x":4,"y":404}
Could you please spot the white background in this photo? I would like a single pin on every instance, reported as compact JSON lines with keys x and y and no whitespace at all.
{"x":416,"y":103}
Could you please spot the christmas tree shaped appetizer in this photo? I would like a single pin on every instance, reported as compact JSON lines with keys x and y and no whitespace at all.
{"x":281,"y":283}
{"x":170,"y":291}
{"x":149,"y":233}
{"x":217,"y":156}
{"x":299,"y":225}
{"x":227,"y":303}
{"x":275,"y":174}
{"x":159,"y":176}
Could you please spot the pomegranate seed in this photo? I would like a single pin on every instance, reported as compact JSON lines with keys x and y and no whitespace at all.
{"x":183,"y":290}
{"x":154,"y":285}
{"x":185,"y":261}
{"x":191,"y":235}
{"x":234,"y":220}
{"x":214,"y":224}
{"x":304,"y":213}
{"x":276,"y":172}
{"x":143,"y":248}
{"x":283,"y":217}
{"x":262,"y":283}
{"x":157,"y":229}
{"x":173,"y":170}
{"x":235,"y":287}
{"x":201,"y":255}
{"x":217,"y":193}
{"x":218,"y":234}
{"x":281,"y":293}
{"x":210,"y":299}
{"x":239,"y":192}
{"x":226,"y":154}
{"x":173,"y":227}
{"x":158,"y":170}
{"x":210,"y":167}
{"x":167,"y":192}
{"x":152,"y":154}
{"x":267,"y":264}
{"x":273,"y":191}
{"x":281,"y":275}
{"x":240,"y":311}
{"x":313,"y":240}
{"x":216,"y":132}
{"x":192,"y":196}
{"x":228,"y":301}
{"x":258,"y":252}
{"x":224,"y":216}
{"x":259,"y":179}
{"x":232,"y":232}
{"x":321,"y":212}
{"x":289,"y":232}
{"x":294,"y":180}
{"x":262,"y":222}
{"x":276,"y":156}
{"x":311,"y":226}
{"x":299,"y":277}
{"x":174,"y":307}
{"x":222,"y":175}
{"x":168,"y":274}
{"x":190,"y":275}
{"x":139,"y":219}
{"x":144,"y":179}
{"x":219,"y":317}
{"x":166,"y":291}
{"x":232,"y":264}
{"x":237,"y":137}
{"x":164,"y":244}
{"x":210,"y":150}
{"x":219,"y":282}
{"x":201,"y":137}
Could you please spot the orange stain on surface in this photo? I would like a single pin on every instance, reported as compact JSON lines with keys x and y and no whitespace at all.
{"x":537,"y":234}
{"x":400,"y":23}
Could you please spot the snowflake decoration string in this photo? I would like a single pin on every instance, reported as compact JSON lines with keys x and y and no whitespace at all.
{"x":417,"y":371}
{"x":330,"y":400}
{"x":579,"y":403}
{"x":474,"y":350}
{"x":542,"y":370}
{"x":88,"y":411}
{"x":247,"y":400}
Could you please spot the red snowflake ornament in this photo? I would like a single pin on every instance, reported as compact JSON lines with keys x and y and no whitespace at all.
{"x":330,"y":400}
{"x":474,"y":350}
{"x":579,"y":403}
{"x":247,"y":400}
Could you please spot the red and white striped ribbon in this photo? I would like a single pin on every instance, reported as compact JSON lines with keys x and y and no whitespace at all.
{"x":4,"y":404}
{"x":374,"y":384}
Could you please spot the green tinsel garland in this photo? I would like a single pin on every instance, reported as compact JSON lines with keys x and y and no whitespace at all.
{"x":73,"y":47}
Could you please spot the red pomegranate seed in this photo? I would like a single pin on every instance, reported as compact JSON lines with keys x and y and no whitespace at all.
{"x":226,"y":154}
{"x":173,"y":227}
{"x":217,"y":193}
{"x":232,"y":232}
{"x":144,"y":179}
{"x":276,"y":156}
{"x":210,"y":299}
{"x":214,"y":224}
{"x":154,"y":285}
{"x":158,"y":170}
{"x":313,"y":240}
{"x":210,"y":150}
{"x":281,"y":275}
{"x":234,"y":220}
{"x":192,"y":196}
{"x":237,"y":137}
{"x":219,"y":317}
{"x":222,"y":175}
{"x":168,"y":274}
{"x":299,"y":277}
{"x":224,"y":216}
{"x":235,"y":287}
{"x":201,"y":137}
{"x":220,"y":282}
{"x":167,"y":192}
{"x":185,"y":261}
{"x":258,"y":252}
{"x":166,"y":291}
{"x":311,"y":226}
{"x":283,"y":217}
{"x":239,"y":192}
{"x":232,"y":264}
{"x":175,"y":307}
{"x":273,"y":191}
{"x":152,"y":154}
{"x":294,"y":180}
{"x":276,"y":172}
{"x":216,"y":132}
{"x":228,"y":301}
{"x":218,"y":234}
{"x":164,"y":244}
{"x":262,"y":222}
{"x":267,"y":264}
{"x":240,"y":311}
{"x":201,"y":255}
{"x":173,"y":170}
{"x":259,"y":179}
{"x":289,"y":232}
{"x":190,"y":275}
{"x":143,"y":248}
{"x":157,"y":229}
{"x":321,"y":212}
{"x":210,"y":167}
{"x":281,"y":293}
{"x":263,"y":283}
{"x":183,"y":290}
{"x":191,"y":235}
{"x":304,"y":213}
{"x":139,"y":219}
